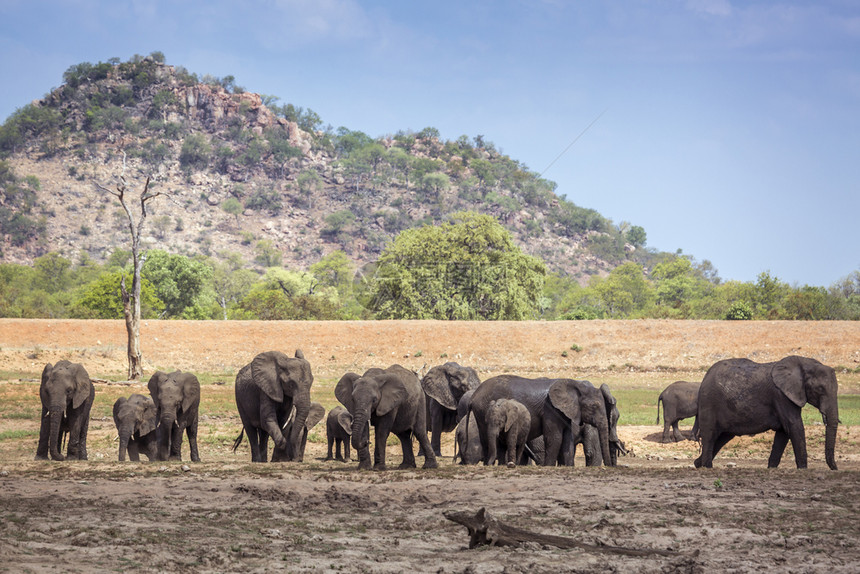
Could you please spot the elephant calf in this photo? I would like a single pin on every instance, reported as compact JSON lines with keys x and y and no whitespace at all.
{"x":680,"y":401}
{"x":508,"y":423}
{"x":177,"y":397}
{"x":136,"y":418}
{"x":338,"y":430}
{"x":316,"y":412}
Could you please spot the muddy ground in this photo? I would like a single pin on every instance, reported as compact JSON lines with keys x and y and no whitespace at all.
{"x":227,"y":515}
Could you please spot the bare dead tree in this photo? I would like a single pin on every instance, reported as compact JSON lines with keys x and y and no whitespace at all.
{"x":131,"y":301}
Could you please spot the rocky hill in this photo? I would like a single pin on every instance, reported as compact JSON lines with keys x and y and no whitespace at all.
{"x":269,"y":182}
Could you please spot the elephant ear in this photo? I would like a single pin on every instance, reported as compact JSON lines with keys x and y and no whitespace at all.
{"x":435,"y":384}
{"x":146,"y":418}
{"x":299,"y":354}
{"x":565,"y":397}
{"x":46,"y":375}
{"x":607,"y":396}
{"x":787,"y":375}
{"x":190,"y":389}
{"x":83,"y":387}
{"x":315,"y":415}
{"x":117,"y":406}
{"x":343,"y":390}
{"x":392,"y":392}
{"x":344,"y":419}
{"x":510,"y":415}
{"x":264,"y":369}
{"x":154,"y":384}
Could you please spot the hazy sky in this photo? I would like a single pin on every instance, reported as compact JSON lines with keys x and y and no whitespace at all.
{"x":731,"y":129}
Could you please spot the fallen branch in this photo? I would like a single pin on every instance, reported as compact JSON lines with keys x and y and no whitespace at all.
{"x":484,"y":529}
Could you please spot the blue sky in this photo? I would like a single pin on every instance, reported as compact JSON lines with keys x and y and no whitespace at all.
{"x":730,"y":129}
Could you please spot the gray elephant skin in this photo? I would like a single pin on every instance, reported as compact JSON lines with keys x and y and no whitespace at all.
{"x":136,"y":418}
{"x":338,"y":430}
{"x":680,"y":401}
{"x":591,"y":437}
{"x":177,"y":399}
{"x":444,"y":386}
{"x":67,"y":396}
{"x":315,"y":415}
{"x":508,"y":424}
{"x":392,"y":401}
{"x":741,"y":397}
{"x":468,"y":452}
{"x":267,"y":389}
{"x":558,"y":408}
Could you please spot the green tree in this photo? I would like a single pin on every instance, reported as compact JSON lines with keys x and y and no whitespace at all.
{"x":468,"y":268}
{"x":103,"y":299}
{"x":624,"y":292}
{"x":232,"y":206}
{"x":179,"y":282}
{"x":310,"y":183}
{"x":267,"y":254}
{"x":195,"y":152}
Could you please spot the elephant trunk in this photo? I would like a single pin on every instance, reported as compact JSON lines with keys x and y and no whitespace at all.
{"x":56,"y":414}
{"x":831,"y":421}
{"x":164,"y":432}
{"x":361,"y":438}
{"x":603,"y":432}
{"x":294,"y":440}
{"x":492,"y":444}
{"x":125,"y":434}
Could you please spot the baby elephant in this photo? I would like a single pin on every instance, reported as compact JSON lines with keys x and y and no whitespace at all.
{"x":680,"y":401}
{"x":338,"y":430}
{"x":136,"y":418}
{"x":508,"y":424}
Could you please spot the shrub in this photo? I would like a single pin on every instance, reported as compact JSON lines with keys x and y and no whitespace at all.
{"x":739,"y":311}
{"x":195,"y":152}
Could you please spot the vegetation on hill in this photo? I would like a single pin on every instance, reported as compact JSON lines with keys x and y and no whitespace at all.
{"x":274,"y":215}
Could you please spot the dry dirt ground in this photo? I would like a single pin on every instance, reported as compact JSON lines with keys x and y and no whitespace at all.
{"x":227,"y":515}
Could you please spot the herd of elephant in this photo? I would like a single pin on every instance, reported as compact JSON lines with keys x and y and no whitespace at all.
{"x":506,"y":419}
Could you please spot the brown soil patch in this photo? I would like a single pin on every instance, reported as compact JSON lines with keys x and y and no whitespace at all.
{"x":225,"y":515}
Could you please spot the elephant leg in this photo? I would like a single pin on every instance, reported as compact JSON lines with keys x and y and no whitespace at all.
{"x":254,"y":441}
{"x":706,"y":458}
{"x":346,"y":453}
{"x":330,"y":444}
{"x":553,"y":449}
{"x":721,"y":441}
{"x":436,"y":439}
{"x":74,"y":446}
{"x":191,"y":431}
{"x":666,"y":426}
{"x":264,"y":446}
{"x":381,"y":436}
{"x":133,"y":451}
{"x":176,"y":442}
{"x":406,"y":444}
{"x":797,"y":434}
{"x":44,"y":433}
{"x":780,"y":440}
{"x":429,"y":452}
{"x":676,"y":432}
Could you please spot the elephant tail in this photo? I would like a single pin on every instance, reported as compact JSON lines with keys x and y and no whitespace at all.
{"x":659,"y":399}
{"x":239,"y":439}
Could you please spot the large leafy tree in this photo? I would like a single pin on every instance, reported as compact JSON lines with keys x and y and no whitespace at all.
{"x":468,"y":268}
{"x":179,"y":282}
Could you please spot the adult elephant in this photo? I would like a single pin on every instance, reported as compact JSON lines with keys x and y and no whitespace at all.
{"x":136,"y":418}
{"x":67,"y":396}
{"x":444,"y":386}
{"x":558,"y":408}
{"x":391,"y":400}
{"x":680,"y":401}
{"x":177,"y":399}
{"x":591,"y":437}
{"x":315,"y":415}
{"x":741,"y":397}
{"x":267,"y":389}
